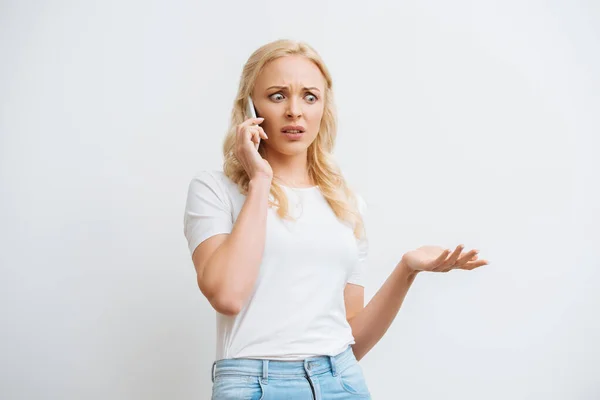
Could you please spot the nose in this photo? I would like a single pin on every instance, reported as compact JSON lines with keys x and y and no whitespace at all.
{"x":293,"y":110}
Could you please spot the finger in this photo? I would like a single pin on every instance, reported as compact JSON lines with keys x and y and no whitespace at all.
{"x":449,"y":263}
{"x":254,"y":134}
{"x":467,"y":266}
{"x":252,"y":121}
{"x":467,"y":257}
{"x":474,"y":264}
{"x":457,"y":252}
{"x":440,"y":260}
{"x":247,"y":135}
{"x":263,"y":134}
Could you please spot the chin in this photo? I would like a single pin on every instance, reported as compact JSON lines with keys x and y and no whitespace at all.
{"x":291,"y":148}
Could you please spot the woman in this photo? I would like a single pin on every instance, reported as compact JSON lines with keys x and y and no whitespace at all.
{"x":279,"y":244}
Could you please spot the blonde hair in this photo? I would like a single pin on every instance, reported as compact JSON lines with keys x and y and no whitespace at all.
{"x":322,"y":167}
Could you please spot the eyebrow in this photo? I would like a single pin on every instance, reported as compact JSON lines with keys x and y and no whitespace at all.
{"x":285,"y":87}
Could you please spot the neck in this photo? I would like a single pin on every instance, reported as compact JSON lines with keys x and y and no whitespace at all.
{"x":290,"y":170}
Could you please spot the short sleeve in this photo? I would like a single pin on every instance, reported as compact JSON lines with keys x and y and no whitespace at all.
{"x":357,"y":275}
{"x":207,"y":210}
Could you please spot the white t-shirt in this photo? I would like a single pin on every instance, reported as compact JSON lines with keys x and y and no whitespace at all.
{"x":296,"y":309}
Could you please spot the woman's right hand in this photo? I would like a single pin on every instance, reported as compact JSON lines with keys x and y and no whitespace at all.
{"x":247,"y":139}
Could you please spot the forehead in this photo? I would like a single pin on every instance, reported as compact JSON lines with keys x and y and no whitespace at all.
{"x":291,"y":70}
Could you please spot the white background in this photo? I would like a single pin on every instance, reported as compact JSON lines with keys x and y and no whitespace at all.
{"x":460,"y":122}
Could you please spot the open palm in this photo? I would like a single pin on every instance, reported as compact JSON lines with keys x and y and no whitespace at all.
{"x":439,"y":259}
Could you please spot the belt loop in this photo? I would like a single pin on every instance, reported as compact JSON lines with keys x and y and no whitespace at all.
{"x":212,"y":372}
{"x":333,"y":366}
{"x":265,"y":371}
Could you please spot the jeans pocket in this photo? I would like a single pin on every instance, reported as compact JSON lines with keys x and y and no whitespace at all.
{"x":353,"y":381}
{"x":237,"y":387}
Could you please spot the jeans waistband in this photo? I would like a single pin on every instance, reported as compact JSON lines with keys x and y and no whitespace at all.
{"x":284,"y":369}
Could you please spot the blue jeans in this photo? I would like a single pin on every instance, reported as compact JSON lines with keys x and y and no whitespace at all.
{"x":321,"y":378}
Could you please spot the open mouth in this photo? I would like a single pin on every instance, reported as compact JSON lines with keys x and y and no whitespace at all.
{"x":293,"y":131}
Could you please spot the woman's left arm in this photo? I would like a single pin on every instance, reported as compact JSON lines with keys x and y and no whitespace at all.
{"x":370,"y":323}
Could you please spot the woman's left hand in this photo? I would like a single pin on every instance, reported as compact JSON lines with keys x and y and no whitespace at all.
{"x":438,"y":259}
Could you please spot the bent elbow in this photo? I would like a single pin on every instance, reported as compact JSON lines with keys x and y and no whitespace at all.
{"x":224,"y":302}
{"x":226,"y":305}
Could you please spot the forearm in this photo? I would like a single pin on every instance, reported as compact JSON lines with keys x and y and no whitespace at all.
{"x":232,"y":270}
{"x":371,"y":323}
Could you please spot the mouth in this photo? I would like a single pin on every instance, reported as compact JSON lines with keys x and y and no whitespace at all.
{"x":293,"y":131}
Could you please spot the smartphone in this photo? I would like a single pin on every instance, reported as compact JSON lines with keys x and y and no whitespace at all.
{"x":251,"y":112}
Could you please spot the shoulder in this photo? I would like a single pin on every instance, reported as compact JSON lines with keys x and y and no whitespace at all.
{"x":213,"y":179}
{"x":213,"y":184}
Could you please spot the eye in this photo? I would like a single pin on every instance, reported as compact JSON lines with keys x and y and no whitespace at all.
{"x":311,"y":98}
{"x":276,"y":96}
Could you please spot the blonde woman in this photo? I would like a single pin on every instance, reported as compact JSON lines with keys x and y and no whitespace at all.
{"x":279,"y":243}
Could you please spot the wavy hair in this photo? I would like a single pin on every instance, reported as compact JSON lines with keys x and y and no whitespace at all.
{"x":322,"y":168}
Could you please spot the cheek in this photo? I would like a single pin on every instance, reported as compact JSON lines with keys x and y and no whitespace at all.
{"x":270,"y":121}
{"x":269,"y":111}
{"x":270,"y":127}
{"x":314,"y":116}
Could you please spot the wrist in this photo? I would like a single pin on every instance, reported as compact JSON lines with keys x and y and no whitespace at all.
{"x":260,"y":183}
{"x":405,"y":270}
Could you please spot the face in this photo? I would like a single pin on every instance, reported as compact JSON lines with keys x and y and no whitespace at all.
{"x":289,"y":95}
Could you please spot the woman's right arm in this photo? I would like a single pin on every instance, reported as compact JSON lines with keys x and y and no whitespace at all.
{"x":227,"y":265}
